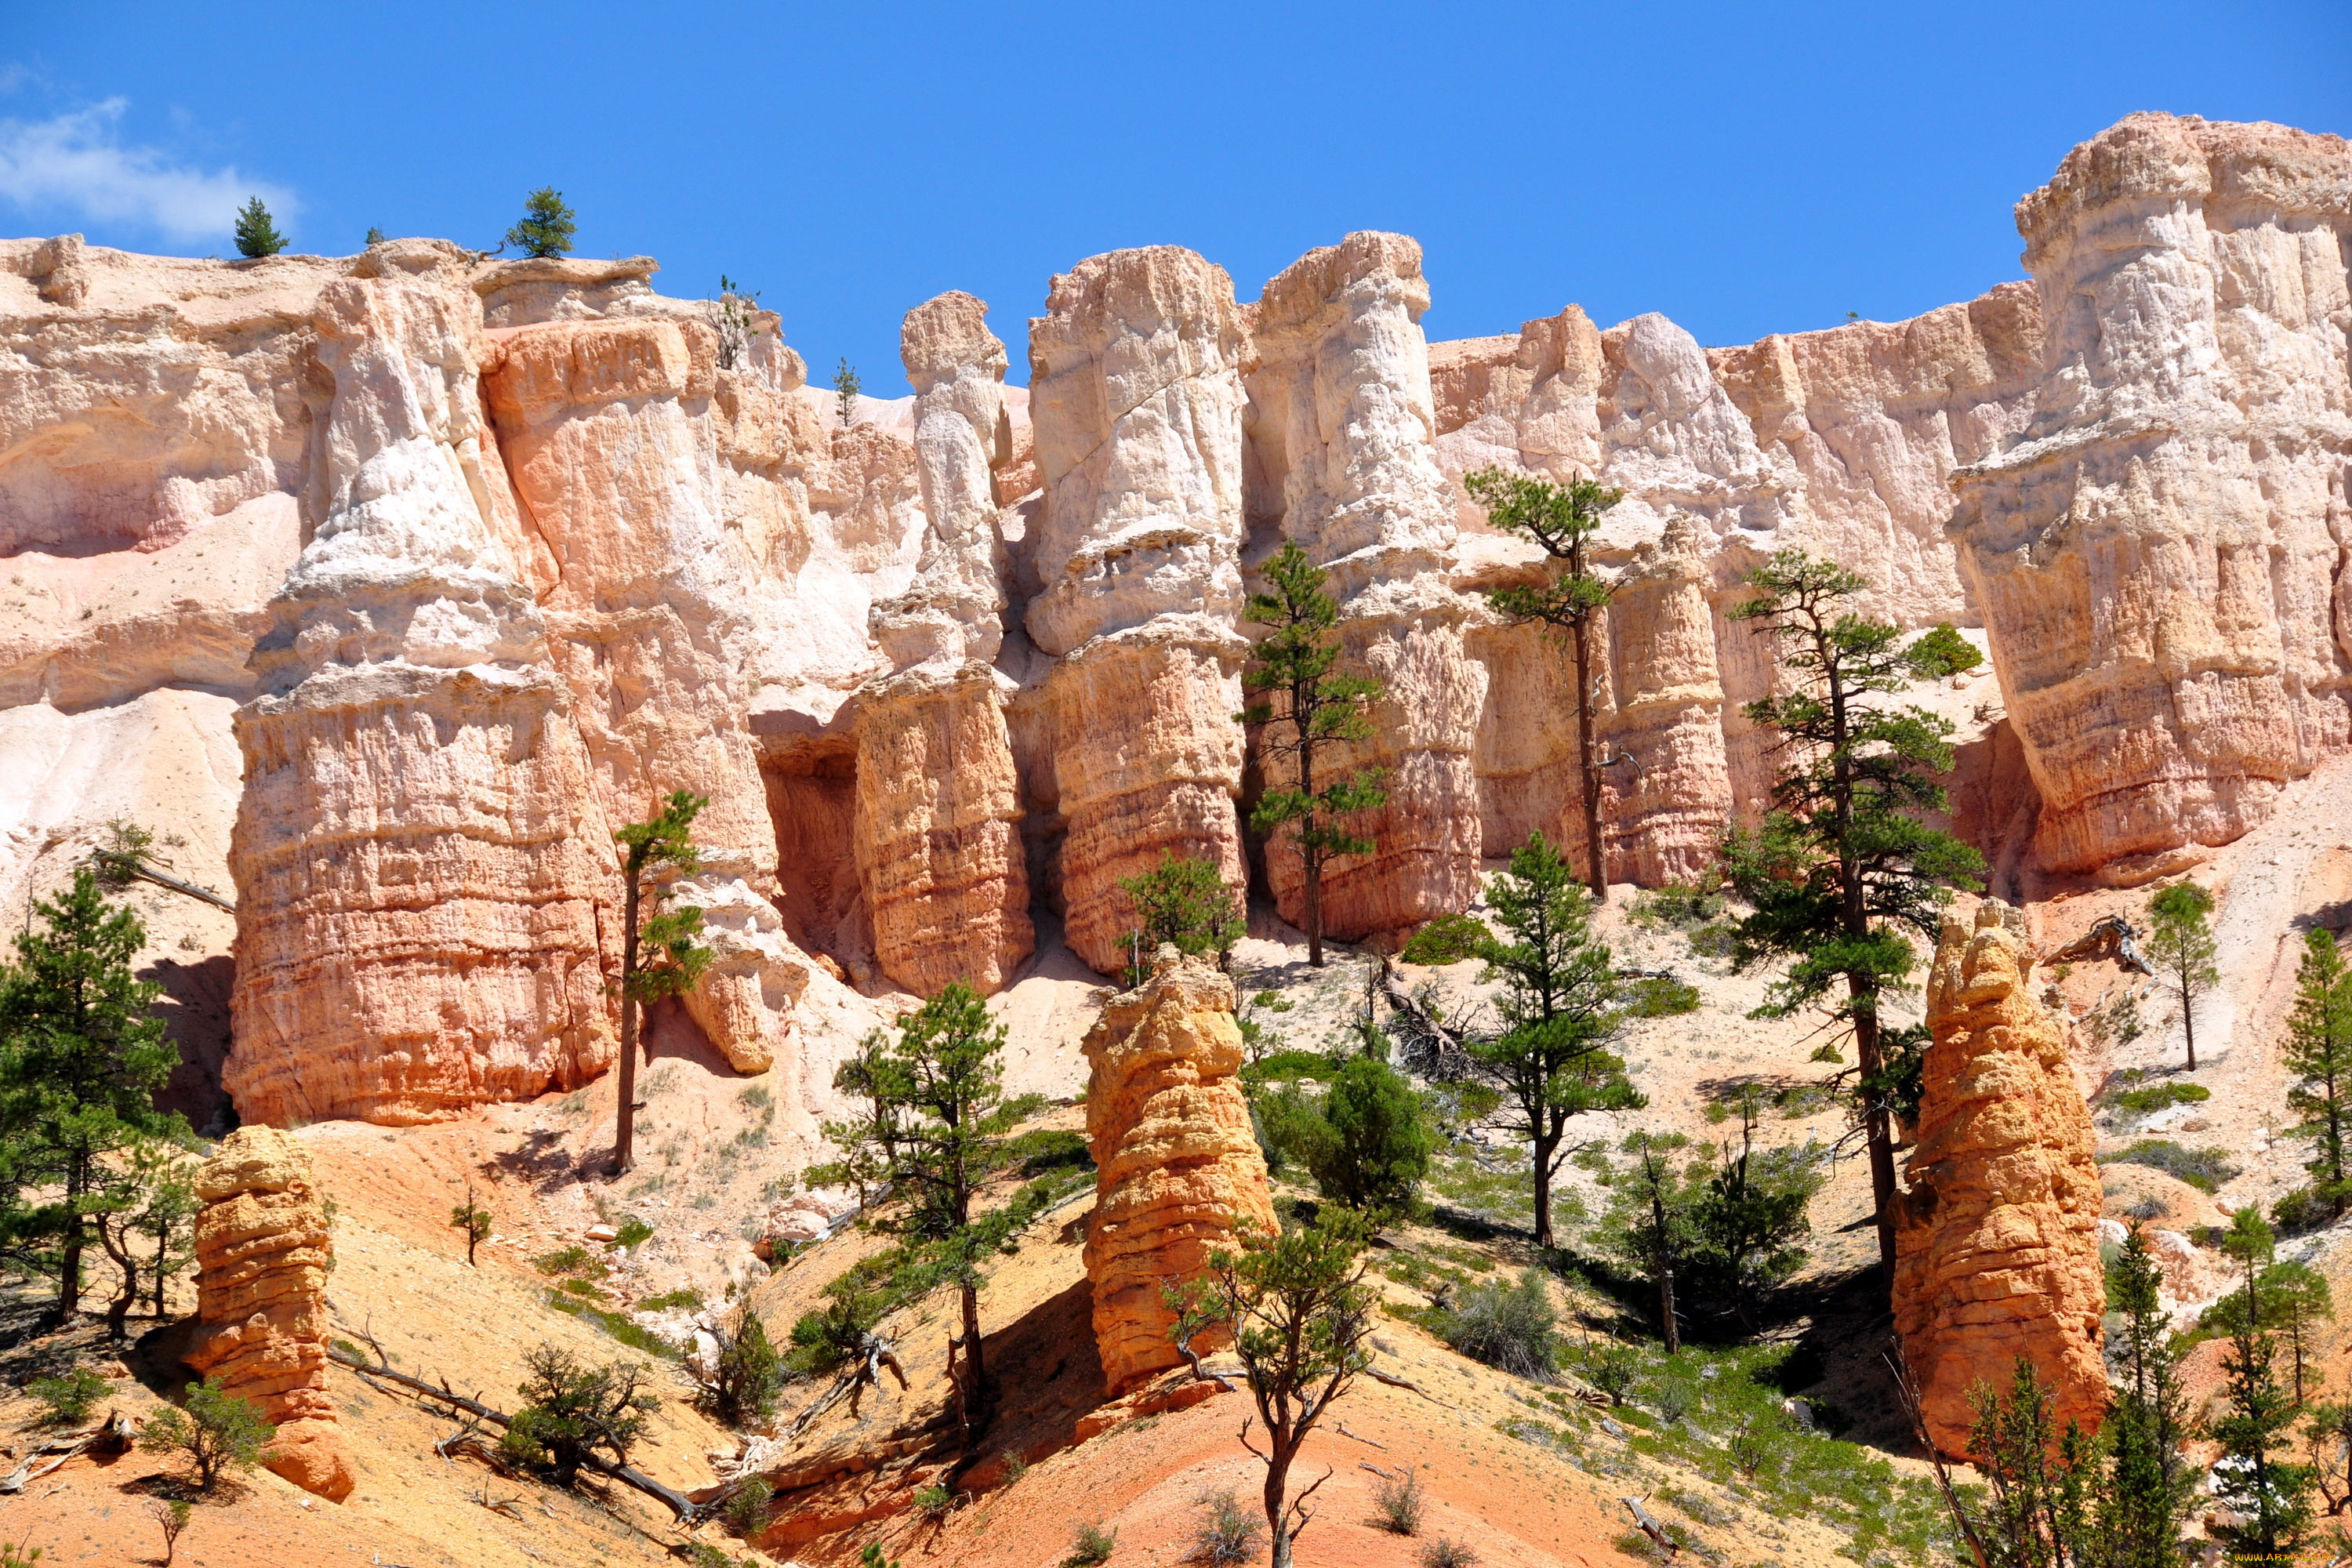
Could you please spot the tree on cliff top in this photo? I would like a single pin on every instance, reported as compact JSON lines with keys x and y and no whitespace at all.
{"x":80,"y":1063}
{"x":1318,"y":709}
{"x":1841,"y":866}
{"x":1300,"y":1314}
{"x":2319,"y":1053}
{"x":1561,"y":1007}
{"x":845,"y":391}
{"x":2181,"y":945}
{"x":1561,"y":518}
{"x":676,"y":961}
{"x":546,"y":226}
{"x":937,"y":1130}
{"x":255,"y":234}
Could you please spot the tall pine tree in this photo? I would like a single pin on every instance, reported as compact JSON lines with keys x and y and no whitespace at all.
{"x":81,"y":1062}
{"x":660,"y":956}
{"x":2268,"y":1498}
{"x":1842,"y":867}
{"x":2149,"y":1486}
{"x":2319,"y":1053}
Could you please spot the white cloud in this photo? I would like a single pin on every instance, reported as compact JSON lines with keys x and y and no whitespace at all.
{"x":77,"y":162}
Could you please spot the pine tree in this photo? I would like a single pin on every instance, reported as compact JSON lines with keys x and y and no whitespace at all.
{"x":1650,"y":1227}
{"x":2319,"y":1053}
{"x":936,"y":1132}
{"x":256,"y":234}
{"x":475,"y":1219}
{"x":1842,"y":867}
{"x":1379,"y":1146}
{"x":2149,"y":1487}
{"x":1186,"y":902}
{"x":2181,"y":945}
{"x":1750,"y":1221}
{"x":2041,"y":1479}
{"x":1562,"y":518}
{"x":2269,"y":1498}
{"x":1561,"y":1007}
{"x":845,"y":391}
{"x":546,"y":226}
{"x":1320,"y":710}
{"x":664,"y":844}
{"x":80,"y":1063}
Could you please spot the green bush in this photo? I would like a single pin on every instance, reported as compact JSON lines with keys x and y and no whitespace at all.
{"x":1399,"y":1502}
{"x":748,"y":1373}
{"x":68,"y":1398}
{"x":1281,"y":1066}
{"x":933,"y":1501}
{"x":1090,"y":1545}
{"x":572,"y":1260}
{"x":1661,"y":996}
{"x":1446,"y":1553}
{"x":687,"y":1299}
{"x":1679,"y":906}
{"x":747,"y":1511}
{"x":1228,"y":1533}
{"x":2158,"y":1097}
{"x":1377,"y":1148}
{"x":2204,"y":1169}
{"x":631,"y":1233}
{"x":1508,"y":1326}
{"x":216,"y":1432}
{"x":574,"y":1412}
{"x":2305,"y":1208}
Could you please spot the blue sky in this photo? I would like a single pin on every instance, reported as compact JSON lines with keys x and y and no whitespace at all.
{"x":1745,"y":169}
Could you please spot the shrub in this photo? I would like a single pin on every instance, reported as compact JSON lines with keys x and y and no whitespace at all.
{"x":747,"y":1511}
{"x":546,"y":226}
{"x":574,"y":1412}
{"x":2204,"y":1169}
{"x":1447,"y":1553}
{"x":70,"y":1397}
{"x":1611,"y":1368}
{"x":1661,"y":996}
{"x":572,"y":1260}
{"x":1398,"y":1501}
{"x":1228,"y":1532}
{"x":216,"y":1431}
{"x":934,"y":1500}
{"x":2305,"y":1208}
{"x":1679,"y":906}
{"x":1379,"y":1148}
{"x":2158,"y":1097}
{"x":744,"y":1378}
{"x":1184,"y":902}
{"x":1090,"y":1545}
{"x":1677,"y":1398}
{"x":687,"y":1299}
{"x":1512,"y":1327}
{"x":171,"y":1517}
{"x":632,"y":1232}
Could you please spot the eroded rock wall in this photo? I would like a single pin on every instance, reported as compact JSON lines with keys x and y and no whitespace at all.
{"x":2158,"y":555}
{"x":1996,"y":1238}
{"x":1136,"y":403}
{"x":1178,"y":1169}
{"x":263,"y":1245}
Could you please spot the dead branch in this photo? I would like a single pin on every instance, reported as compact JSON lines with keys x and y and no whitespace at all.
{"x":1430,"y":1046}
{"x":1298,"y":1506}
{"x":627,"y":1475}
{"x":1377,"y":1375}
{"x":1651,"y":1527}
{"x":1342,"y":1430}
{"x":873,"y":1354}
{"x":1907,"y":1389}
{"x":1250,"y":1445}
{"x":1200,"y":1373}
{"x":1384,"y":1475}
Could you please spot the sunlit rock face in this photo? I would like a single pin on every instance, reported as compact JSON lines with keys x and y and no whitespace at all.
{"x":1996,"y":1238}
{"x":1177,"y":1168}
{"x":1136,"y":402}
{"x":2157,"y":556}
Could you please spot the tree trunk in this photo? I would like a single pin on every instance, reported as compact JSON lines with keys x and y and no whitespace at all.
{"x":1545,"y":1144}
{"x":975,"y":1388}
{"x":1665,"y":1271}
{"x":1876,"y":1131}
{"x":2189,"y":1020}
{"x":624,"y":1117}
{"x":1314,"y":913}
{"x":1310,"y":857}
{"x":1277,"y":1484}
{"x":70,"y":1272}
{"x":1596,"y":850}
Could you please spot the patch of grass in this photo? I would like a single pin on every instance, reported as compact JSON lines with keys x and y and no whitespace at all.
{"x":1283,"y":1067}
{"x":1679,"y":906}
{"x":1661,"y":996}
{"x":1446,"y":1553}
{"x":2204,"y":1169}
{"x":573,"y":1259}
{"x":633,"y":1231}
{"x":1090,"y":1545}
{"x":618,"y":1326}
{"x":688,"y":1298}
{"x":2129,"y":1094}
{"x":754,"y":1097}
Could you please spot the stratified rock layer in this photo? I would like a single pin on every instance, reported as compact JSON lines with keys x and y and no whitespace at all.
{"x":1997,"y":1239}
{"x":419,"y":851}
{"x":1343,"y":464}
{"x":2157,"y":557}
{"x":263,"y":1250}
{"x":1136,"y":400}
{"x":1177,"y":1168}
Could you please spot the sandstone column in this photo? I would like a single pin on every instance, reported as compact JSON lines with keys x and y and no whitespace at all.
{"x":1997,"y":1239}
{"x":1136,"y":400}
{"x":263,"y":1248}
{"x":420,"y":858}
{"x":2158,"y":555}
{"x":1177,"y":1168}
{"x":1668,"y":793}
{"x":1342,"y":431}
{"x":938,"y":798}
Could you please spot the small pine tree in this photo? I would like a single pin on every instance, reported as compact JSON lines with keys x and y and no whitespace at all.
{"x":2268,"y":1498}
{"x":739,"y":321}
{"x":2041,"y":1481}
{"x":573,"y":1414}
{"x":1648,"y":1226}
{"x":2181,"y":945}
{"x":1379,"y":1147}
{"x":845,"y":392}
{"x":1562,"y":518}
{"x":665,"y":843}
{"x":475,"y":1219}
{"x":256,"y":234}
{"x":1184,"y":901}
{"x":376,"y":236}
{"x":216,"y":1432}
{"x":546,"y":226}
{"x":1750,"y":1220}
{"x":1320,"y":710}
{"x":2319,"y":1053}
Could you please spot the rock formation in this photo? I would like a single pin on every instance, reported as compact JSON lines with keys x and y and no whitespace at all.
{"x":1343,"y":462}
{"x":2157,"y":555}
{"x":1997,"y":1239}
{"x":263,"y":1249}
{"x":423,"y":860}
{"x":1136,"y":405}
{"x":938,"y":810}
{"x":1177,"y":1168}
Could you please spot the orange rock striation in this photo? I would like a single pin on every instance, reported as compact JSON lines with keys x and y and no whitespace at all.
{"x":1997,"y":1239}
{"x":1177,"y":1168}
{"x":263,"y":1249}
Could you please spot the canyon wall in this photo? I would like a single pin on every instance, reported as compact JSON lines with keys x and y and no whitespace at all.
{"x":1996,"y":1238}
{"x":2158,"y":556}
